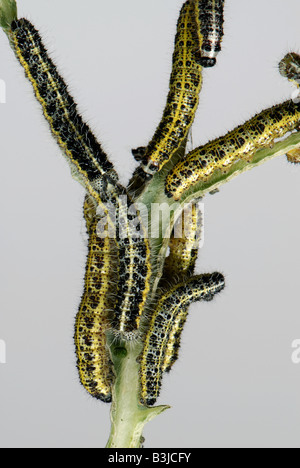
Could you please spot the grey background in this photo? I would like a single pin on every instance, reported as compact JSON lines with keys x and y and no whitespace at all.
{"x":234,"y":384}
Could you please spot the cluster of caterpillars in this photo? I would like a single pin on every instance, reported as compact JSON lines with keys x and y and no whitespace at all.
{"x":119,"y":272}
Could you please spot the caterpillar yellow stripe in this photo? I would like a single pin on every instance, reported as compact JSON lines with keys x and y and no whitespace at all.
{"x":209,"y":15}
{"x":239,"y":144}
{"x":92,"y":168}
{"x":93,"y":318}
{"x":180,"y":265}
{"x":152,"y":359}
{"x":183,"y":97}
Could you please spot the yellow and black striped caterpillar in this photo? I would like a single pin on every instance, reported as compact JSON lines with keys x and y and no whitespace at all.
{"x":154,"y":357}
{"x":92,"y":167}
{"x":183,"y":97}
{"x":85,"y":154}
{"x":93,"y":318}
{"x":209,"y":18}
{"x":239,"y":144}
{"x":184,"y":249}
{"x":178,"y":267}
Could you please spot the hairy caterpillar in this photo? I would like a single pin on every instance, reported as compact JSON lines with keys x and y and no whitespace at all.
{"x":241,"y":143}
{"x":184,"y":249}
{"x":84,"y":153}
{"x":183,"y":97}
{"x":180,"y":265}
{"x":91,"y":167}
{"x":209,"y":16}
{"x":135,"y":270}
{"x":289,"y":67}
{"x":92,"y":320}
{"x":153,"y":356}
{"x":126,"y":228}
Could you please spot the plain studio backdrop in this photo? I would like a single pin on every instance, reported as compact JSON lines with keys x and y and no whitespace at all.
{"x":235,"y":384}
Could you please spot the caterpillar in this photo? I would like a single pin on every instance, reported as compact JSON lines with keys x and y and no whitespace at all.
{"x":92,"y":320}
{"x":135,"y":270}
{"x":241,"y":143}
{"x":92,"y":168}
{"x":153,"y":357}
{"x":84,"y":153}
{"x":181,"y":264}
{"x":130,"y":237}
{"x":183,"y":96}
{"x":184,"y":250}
{"x":289,"y":67}
{"x":209,"y":16}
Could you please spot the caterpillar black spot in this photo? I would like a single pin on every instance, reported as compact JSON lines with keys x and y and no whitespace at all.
{"x":209,"y":16}
{"x":241,"y":143}
{"x":155,"y":352}
{"x":183,"y":97}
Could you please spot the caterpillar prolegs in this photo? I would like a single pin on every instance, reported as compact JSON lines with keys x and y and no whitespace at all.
{"x":155,"y":352}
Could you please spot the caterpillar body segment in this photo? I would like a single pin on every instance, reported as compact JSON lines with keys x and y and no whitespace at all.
{"x":184,"y":249}
{"x":179,"y":266}
{"x":239,"y":144}
{"x":121,"y":220}
{"x":209,"y":16}
{"x":135,"y":270}
{"x":93,"y":318}
{"x":155,"y":357}
{"x":83,"y":152}
{"x":183,"y":97}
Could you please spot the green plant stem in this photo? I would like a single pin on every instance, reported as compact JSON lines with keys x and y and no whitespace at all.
{"x":128,"y":416}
